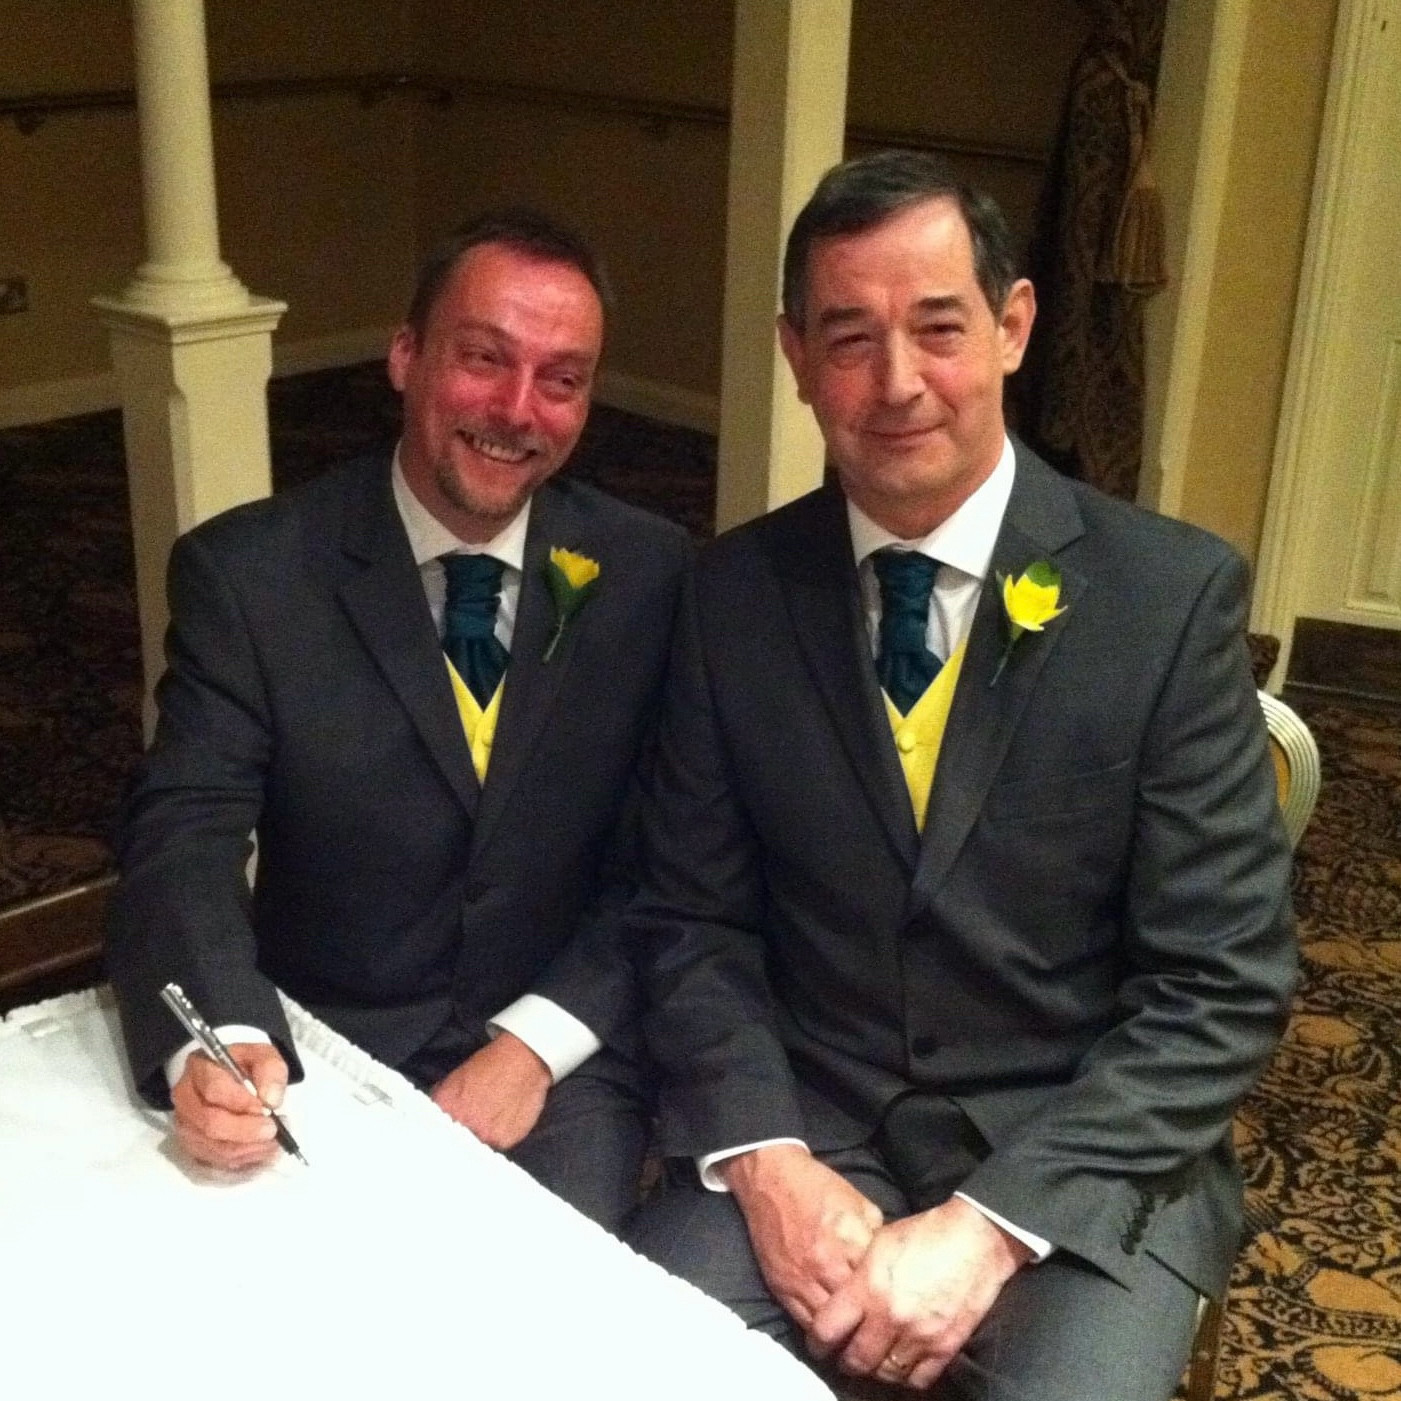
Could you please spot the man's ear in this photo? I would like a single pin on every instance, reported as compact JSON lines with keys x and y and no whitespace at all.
{"x":1014,"y":325}
{"x":403,"y":347}
{"x":790,"y":341}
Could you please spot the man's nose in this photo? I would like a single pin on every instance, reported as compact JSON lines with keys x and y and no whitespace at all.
{"x":900,"y":380}
{"x":512,"y":397}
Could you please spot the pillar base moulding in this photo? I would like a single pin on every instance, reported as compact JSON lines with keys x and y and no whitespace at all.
{"x":194,"y":408}
{"x":192,"y":319}
{"x":182,"y":290}
{"x":195,"y":425}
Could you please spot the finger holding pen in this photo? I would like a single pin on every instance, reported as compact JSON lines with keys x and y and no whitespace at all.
{"x":217,"y":1120}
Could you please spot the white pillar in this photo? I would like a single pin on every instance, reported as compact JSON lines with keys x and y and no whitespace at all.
{"x":1199,"y":79}
{"x":787,"y":119}
{"x":177,"y":163}
{"x":191,"y":347}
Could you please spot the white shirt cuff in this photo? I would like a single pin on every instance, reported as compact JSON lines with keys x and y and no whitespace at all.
{"x":1039,"y":1248}
{"x":558,"y":1037}
{"x":706,"y":1165}
{"x":230,"y":1035}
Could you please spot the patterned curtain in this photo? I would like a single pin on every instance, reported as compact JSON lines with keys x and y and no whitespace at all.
{"x":1097,"y":256}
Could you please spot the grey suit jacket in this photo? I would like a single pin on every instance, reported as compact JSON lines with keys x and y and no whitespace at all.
{"x":1090,"y":946}
{"x":307,"y":697}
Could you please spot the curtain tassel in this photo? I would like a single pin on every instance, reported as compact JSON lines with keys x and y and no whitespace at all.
{"x":1136,"y":255}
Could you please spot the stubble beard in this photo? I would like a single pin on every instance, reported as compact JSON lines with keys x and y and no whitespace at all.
{"x":490,"y":511}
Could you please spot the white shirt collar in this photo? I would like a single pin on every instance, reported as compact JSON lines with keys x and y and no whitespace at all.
{"x":965,"y":540}
{"x":429,"y":537}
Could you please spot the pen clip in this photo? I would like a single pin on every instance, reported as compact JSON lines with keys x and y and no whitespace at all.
{"x":184,"y":1009}
{"x":174,"y":997}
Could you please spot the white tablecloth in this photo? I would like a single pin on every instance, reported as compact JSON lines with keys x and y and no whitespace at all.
{"x":406,"y":1261}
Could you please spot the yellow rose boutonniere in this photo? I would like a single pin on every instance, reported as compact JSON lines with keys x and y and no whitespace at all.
{"x":1030,"y":602}
{"x":572,"y":578}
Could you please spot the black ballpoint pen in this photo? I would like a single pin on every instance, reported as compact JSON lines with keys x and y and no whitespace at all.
{"x":214,"y":1048}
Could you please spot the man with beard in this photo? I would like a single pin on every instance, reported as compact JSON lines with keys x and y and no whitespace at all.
{"x":424,"y":684}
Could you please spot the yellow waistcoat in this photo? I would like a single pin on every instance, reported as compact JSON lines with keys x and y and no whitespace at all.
{"x":477,"y":724}
{"x":919,"y":734}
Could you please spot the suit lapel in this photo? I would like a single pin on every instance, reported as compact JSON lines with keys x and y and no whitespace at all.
{"x":533,"y":685}
{"x":1042,"y":518}
{"x":385,"y":601}
{"x":818,"y":574}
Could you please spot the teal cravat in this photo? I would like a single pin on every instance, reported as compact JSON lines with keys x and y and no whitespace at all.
{"x":904,"y":664}
{"x":469,"y":622}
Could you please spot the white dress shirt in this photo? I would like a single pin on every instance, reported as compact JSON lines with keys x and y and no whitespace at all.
{"x":963,"y":547}
{"x":558,"y":1037}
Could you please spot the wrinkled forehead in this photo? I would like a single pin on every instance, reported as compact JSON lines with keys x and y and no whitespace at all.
{"x":920,"y":251}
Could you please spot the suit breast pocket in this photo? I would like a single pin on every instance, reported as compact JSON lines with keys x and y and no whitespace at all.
{"x":1052,"y":862}
{"x":1070,"y":797}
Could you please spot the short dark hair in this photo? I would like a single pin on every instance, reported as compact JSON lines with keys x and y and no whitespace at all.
{"x":526,"y":231}
{"x":859,"y":194}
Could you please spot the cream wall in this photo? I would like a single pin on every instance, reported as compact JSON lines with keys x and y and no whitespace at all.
{"x":989,"y":74}
{"x":650,"y":198}
{"x":1269,"y":180}
{"x":315,"y":193}
{"x":653,"y":198}
{"x":327,"y":204}
{"x":69,"y":193}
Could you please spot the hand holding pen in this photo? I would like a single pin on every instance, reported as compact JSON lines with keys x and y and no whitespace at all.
{"x":225,"y":1101}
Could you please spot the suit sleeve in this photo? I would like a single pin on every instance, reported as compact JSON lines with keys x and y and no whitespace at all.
{"x":181,"y":910}
{"x":710,"y":1018}
{"x":1207,"y":956}
{"x":593,"y":977}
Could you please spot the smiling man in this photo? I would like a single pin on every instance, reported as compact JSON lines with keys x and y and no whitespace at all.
{"x":965,"y":916}
{"x":370,"y":673}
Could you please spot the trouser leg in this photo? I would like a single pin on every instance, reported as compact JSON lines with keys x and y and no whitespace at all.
{"x":1062,"y":1331}
{"x":1059,"y":1331}
{"x":590,"y":1139}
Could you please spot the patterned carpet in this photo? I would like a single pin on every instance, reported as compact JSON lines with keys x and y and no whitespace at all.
{"x":1315,"y":1306}
{"x":70,"y":661}
{"x":1314,"y":1311}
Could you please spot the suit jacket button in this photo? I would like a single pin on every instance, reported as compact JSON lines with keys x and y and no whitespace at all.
{"x":923,"y":1045}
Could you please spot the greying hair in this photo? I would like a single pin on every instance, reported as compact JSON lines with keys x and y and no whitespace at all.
{"x":861,"y":193}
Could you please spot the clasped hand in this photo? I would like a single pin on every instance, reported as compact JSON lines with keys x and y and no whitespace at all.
{"x":808,"y":1225}
{"x":893,"y":1300}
